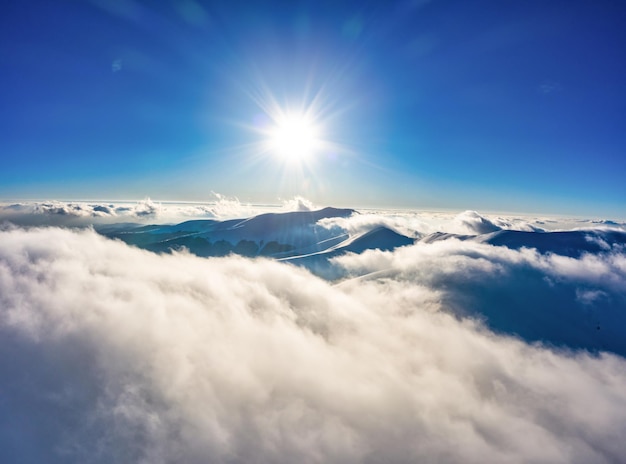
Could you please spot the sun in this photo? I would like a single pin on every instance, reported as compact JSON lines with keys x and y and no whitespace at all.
{"x":294,"y":137}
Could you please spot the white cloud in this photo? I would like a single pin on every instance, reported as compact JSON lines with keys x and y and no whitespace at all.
{"x":470,"y":222}
{"x":224,"y":207}
{"x":407,"y":224}
{"x":541,"y":297}
{"x":473,"y":223}
{"x":78,"y":213}
{"x":113,"y":354}
{"x":82,"y":213}
{"x":298,"y":203}
{"x":428,"y":261}
{"x":142,"y":209}
{"x":417,"y":224}
{"x":411,"y":223}
{"x":589,"y":297}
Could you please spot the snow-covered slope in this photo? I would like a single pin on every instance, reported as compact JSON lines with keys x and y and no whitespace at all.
{"x":380,"y":238}
{"x":572,"y":243}
{"x":278,"y":235}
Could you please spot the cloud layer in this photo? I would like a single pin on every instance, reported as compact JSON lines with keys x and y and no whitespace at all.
{"x":113,"y":354}
{"x":575,"y":302}
{"x":220,"y":207}
{"x":82,"y":213}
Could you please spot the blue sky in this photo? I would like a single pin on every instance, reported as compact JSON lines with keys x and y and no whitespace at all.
{"x":488,"y":105}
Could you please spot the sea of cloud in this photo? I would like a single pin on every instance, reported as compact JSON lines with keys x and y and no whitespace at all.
{"x":146,"y":211}
{"x":114,"y":354}
{"x":560,"y":300}
{"x":412,"y":223}
{"x":418,"y":223}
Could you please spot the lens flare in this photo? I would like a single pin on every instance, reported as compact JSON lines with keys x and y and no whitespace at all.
{"x":294,"y":137}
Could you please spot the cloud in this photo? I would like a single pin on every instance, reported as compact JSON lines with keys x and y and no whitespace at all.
{"x":406,"y":224}
{"x":116,"y":66}
{"x":224,"y":207}
{"x":541,"y":297}
{"x":84,"y":213}
{"x":417,"y":224}
{"x":548,"y":87}
{"x":142,"y":209}
{"x":470,"y":222}
{"x":113,"y":354}
{"x":77,"y":213}
{"x":62,"y":209}
{"x":298,"y":203}
{"x":411,"y":223}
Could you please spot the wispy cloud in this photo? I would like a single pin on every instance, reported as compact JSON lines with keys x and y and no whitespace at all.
{"x":548,"y":87}
{"x":116,"y":66}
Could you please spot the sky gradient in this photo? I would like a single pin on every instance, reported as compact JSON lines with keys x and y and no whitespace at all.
{"x":488,"y":105}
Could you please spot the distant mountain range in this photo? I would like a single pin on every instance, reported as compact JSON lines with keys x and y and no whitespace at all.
{"x":298,"y":237}
{"x":276,"y":235}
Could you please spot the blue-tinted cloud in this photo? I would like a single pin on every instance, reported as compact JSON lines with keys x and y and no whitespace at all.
{"x":577,"y":302}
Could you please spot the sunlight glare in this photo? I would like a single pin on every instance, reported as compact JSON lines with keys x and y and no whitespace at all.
{"x":294,"y":137}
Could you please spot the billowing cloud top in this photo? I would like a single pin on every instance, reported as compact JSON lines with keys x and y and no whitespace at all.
{"x":110,"y":353}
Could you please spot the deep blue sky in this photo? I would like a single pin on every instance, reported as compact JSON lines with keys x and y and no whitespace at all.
{"x":488,"y":105}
